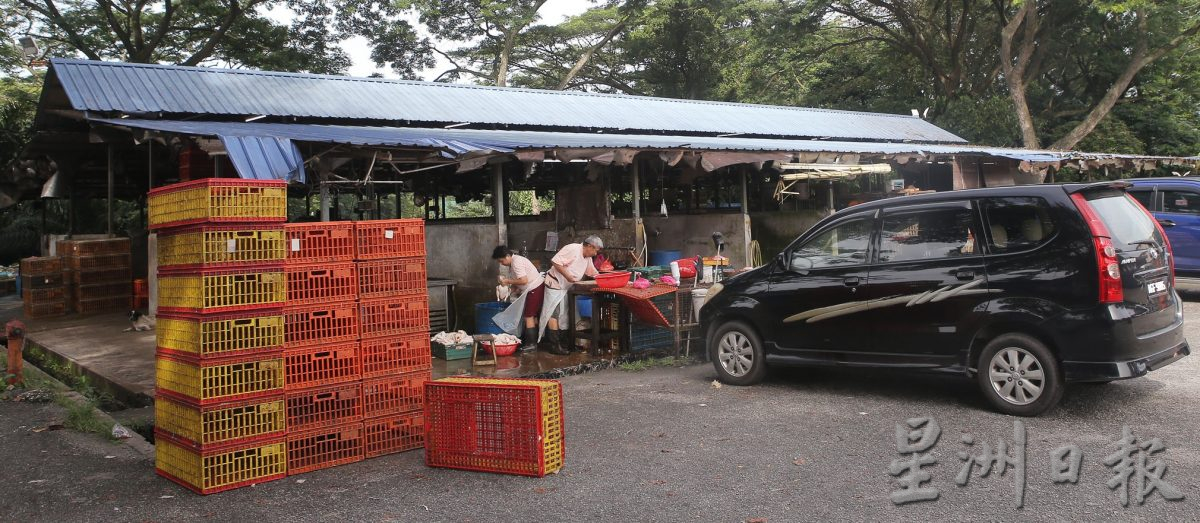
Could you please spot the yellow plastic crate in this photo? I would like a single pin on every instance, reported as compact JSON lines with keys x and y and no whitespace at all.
{"x":224,"y":290}
{"x":220,"y":381}
{"x":223,"y":423}
{"x":221,"y":245}
{"x":217,"y":469}
{"x":218,"y":200}
{"x":219,"y":335}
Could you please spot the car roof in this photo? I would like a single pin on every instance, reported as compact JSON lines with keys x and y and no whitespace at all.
{"x":962,"y":194}
{"x":1182,"y":180}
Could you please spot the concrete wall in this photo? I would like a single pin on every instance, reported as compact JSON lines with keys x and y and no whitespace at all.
{"x":692,"y":234}
{"x":775,"y":230}
{"x":463,"y":251}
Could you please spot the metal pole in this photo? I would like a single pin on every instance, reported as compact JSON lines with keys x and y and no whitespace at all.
{"x":324,"y":195}
{"x":636,"y":177}
{"x":498,"y":202}
{"x":111,"y":160}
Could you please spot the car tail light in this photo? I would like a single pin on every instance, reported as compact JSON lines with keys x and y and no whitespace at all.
{"x":1111,"y":289}
{"x":1161,"y":232}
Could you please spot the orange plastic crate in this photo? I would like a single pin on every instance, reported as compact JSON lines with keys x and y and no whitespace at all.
{"x":324,"y":406}
{"x":324,"y":448}
{"x":321,"y":283}
{"x":386,"y":317}
{"x":217,"y":200}
{"x":397,"y":355}
{"x":92,"y":247}
{"x":322,"y":365}
{"x":309,"y":325}
{"x":217,"y":468}
{"x":320,"y":242}
{"x":97,"y":291}
{"x":394,"y":394}
{"x":101,"y":305}
{"x":510,"y":426}
{"x":41,"y":266}
{"x":109,"y":275}
{"x":44,"y":295}
{"x":394,"y":434}
{"x":98,"y":262}
{"x":383,"y":239}
{"x":382,"y":278}
{"x":45,"y":310}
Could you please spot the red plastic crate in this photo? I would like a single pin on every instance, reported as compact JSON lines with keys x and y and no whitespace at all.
{"x":98,"y":262}
{"x":394,"y":394}
{"x":44,"y":295}
{"x":324,"y":448}
{"x":320,"y":242}
{"x":384,"y":317}
{"x":324,"y":406}
{"x":92,"y":247}
{"x":104,"y":290}
{"x":382,"y":278}
{"x":322,"y":365}
{"x":41,"y":266}
{"x":109,"y":275}
{"x":394,"y":434}
{"x":382,"y":239}
{"x":44,"y":310}
{"x":308,"y":325}
{"x":100,"y":305}
{"x":398,"y":355}
{"x":509,"y":426}
{"x":321,"y":283}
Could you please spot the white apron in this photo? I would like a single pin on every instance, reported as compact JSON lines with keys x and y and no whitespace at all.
{"x":550,"y":305}
{"x":513,"y":318}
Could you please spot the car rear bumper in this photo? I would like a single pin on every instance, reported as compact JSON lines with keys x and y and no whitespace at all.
{"x":1117,"y":370}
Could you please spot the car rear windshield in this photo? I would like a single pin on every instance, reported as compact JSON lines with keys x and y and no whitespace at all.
{"x":1126,"y":221}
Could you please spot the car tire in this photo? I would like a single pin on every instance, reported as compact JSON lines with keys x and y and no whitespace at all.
{"x":1019,"y":376}
{"x":737,"y":354}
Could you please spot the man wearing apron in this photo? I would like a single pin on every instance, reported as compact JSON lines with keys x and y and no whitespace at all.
{"x":527,"y":284}
{"x":572,"y":263}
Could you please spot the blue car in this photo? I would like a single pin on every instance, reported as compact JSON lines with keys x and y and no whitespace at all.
{"x":1175,"y":203}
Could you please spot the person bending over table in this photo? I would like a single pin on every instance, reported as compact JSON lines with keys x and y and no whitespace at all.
{"x":526,"y":283}
{"x":572,"y":263}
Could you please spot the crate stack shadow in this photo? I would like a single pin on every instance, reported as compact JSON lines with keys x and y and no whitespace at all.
{"x":220,"y":414}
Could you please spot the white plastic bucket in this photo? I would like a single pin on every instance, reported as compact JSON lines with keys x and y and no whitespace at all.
{"x":698,"y":297}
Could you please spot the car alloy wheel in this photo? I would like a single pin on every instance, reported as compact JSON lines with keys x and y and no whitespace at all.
{"x":736,"y":354}
{"x":1016,"y":376}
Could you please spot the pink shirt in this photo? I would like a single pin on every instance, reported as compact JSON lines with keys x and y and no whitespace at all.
{"x":577,"y":266}
{"x":523,"y":268}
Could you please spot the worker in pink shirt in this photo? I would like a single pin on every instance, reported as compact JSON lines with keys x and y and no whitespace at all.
{"x":571,"y":264}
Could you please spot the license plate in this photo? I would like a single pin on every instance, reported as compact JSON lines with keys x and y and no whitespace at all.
{"x":1156,"y":287}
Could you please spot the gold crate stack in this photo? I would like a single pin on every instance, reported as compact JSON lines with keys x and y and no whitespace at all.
{"x":99,"y":274}
{"x":221,"y":414}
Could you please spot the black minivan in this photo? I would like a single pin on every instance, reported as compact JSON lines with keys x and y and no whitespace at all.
{"x":1024,"y":288}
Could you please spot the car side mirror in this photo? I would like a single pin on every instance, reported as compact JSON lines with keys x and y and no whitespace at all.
{"x":781,"y":261}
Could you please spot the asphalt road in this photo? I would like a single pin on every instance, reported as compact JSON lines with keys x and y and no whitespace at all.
{"x":666,"y":445}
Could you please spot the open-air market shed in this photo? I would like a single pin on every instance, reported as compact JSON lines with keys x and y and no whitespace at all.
{"x":484,"y":165}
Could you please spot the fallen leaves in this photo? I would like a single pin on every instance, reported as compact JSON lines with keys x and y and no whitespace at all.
{"x":716,"y":384}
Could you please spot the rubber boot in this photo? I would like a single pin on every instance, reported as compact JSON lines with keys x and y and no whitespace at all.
{"x":556,"y":343}
{"x":529,"y":337}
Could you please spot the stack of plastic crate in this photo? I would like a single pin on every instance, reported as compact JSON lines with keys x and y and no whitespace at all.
{"x":43,"y":292}
{"x":221,"y":419}
{"x":99,"y":274}
{"x":324,"y":361}
{"x":509,"y":426}
{"x":394,"y":324}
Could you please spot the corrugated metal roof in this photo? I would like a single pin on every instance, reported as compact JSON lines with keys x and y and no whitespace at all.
{"x":264,"y":157}
{"x":457,"y":142}
{"x":142,"y":88}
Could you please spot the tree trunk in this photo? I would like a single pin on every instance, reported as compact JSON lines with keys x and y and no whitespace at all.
{"x":1014,"y":70}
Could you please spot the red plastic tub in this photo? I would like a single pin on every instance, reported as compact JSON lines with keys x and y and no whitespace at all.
{"x":612,"y":280}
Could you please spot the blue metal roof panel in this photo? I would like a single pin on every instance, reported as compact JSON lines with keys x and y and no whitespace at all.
{"x":264,"y":157}
{"x":143,"y":88}
{"x":456,"y":142}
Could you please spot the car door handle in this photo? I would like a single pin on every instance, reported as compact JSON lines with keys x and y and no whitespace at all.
{"x":965,"y":274}
{"x":851,"y":281}
{"x":1167,"y":223}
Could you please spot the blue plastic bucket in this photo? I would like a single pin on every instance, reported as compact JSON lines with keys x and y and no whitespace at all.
{"x":583,"y":304}
{"x":484,"y":312}
{"x":664,"y":258}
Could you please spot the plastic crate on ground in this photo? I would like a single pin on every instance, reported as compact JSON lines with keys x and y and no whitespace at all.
{"x":101,"y":305}
{"x":206,"y":470}
{"x":383,"y":239}
{"x":42,"y":281}
{"x":392,"y":434}
{"x":382,"y":278}
{"x":98,"y":291}
{"x":385,"y":317}
{"x":224,"y":423}
{"x":216,"y":335}
{"x":218,"y":200}
{"x":324,"y":406}
{"x":219,"y":380}
{"x":92,"y":247}
{"x":108,"y":275}
{"x":100,"y":261}
{"x":221,"y":290}
{"x":208,"y":246}
{"x":320,"y":324}
{"x":394,"y":394}
{"x":41,"y":266}
{"x":321,"y":283}
{"x":320,"y":242}
{"x":322,"y":365}
{"x":323,"y":448}
{"x":45,"y":310}
{"x":511,"y":426}
{"x":44,"y":295}
{"x":397,"y":355}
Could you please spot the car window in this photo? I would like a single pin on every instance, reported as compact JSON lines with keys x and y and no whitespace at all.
{"x":928,"y":234}
{"x":1017,"y":224}
{"x":1182,"y":202}
{"x":843,"y":245}
{"x":1144,"y":197}
{"x":1126,"y":222}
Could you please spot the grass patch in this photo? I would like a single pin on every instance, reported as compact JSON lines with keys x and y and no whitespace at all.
{"x":649,"y":363}
{"x":81,"y":416}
